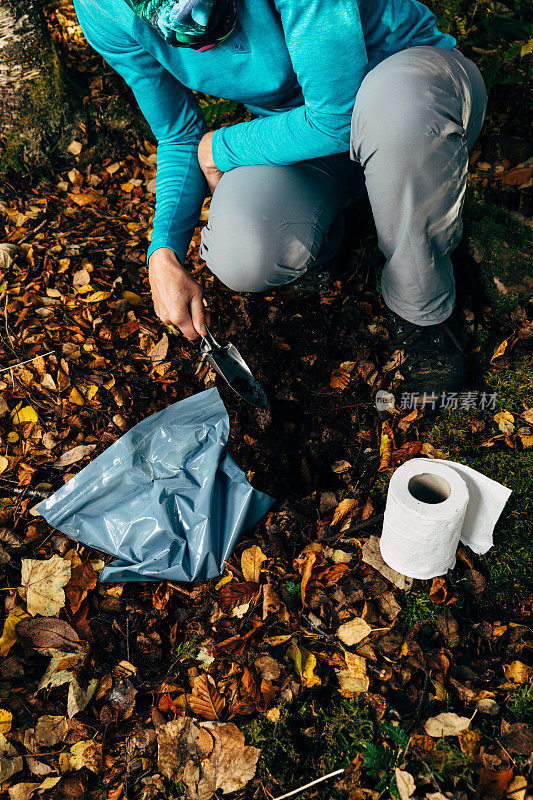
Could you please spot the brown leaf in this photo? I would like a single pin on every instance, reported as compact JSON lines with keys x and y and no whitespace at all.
{"x":237,"y":594}
{"x":83,"y":579}
{"x":49,"y":731}
{"x":47,"y":632}
{"x":159,"y":351}
{"x":493,"y":785}
{"x":305,"y":563}
{"x":206,"y":700}
{"x":517,"y":737}
{"x":206,"y":758}
{"x":438,"y":592}
{"x":343,"y":509}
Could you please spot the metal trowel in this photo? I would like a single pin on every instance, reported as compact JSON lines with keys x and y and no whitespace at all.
{"x":228,"y":362}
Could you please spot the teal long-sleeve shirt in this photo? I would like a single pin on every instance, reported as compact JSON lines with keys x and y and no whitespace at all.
{"x":296,"y":64}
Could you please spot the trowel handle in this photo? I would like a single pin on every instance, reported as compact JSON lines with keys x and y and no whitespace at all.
{"x":209,"y":342}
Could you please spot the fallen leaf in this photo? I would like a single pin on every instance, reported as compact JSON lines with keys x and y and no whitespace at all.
{"x":405,"y":783}
{"x":22,"y":791}
{"x":25,"y":414}
{"x":343,"y":509}
{"x":518,"y":672}
{"x":352,"y":632}
{"x":500,"y":350}
{"x":251,"y":562}
{"x":45,"y":633}
{"x":10,"y":761}
{"x":372,"y":555}
{"x":50,"y":730}
{"x":492,"y":784}
{"x":76,"y":453}
{"x":7,"y":255}
{"x":9,"y":634}
{"x":351,"y":685}
{"x":4,"y":464}
{"x":86,"y":753}
{"x":159,"y":351}
{"x":446,"y":724}
{"x":205,"y":699}
{"x":517,"y":788}
{"x":504,"y":421}
{"x":42,"y":582}
{"x":6,"y":718}
{"x":438,"y":591}
{"x":83,"y":579}
{"x":206,"y":758}
{"x":340,"y":466}
{"x":304,"y":664}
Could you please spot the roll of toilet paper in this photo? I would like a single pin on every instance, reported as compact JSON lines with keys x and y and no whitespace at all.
{"x":431,"y":506}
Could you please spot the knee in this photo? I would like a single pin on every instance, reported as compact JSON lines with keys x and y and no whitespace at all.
{"x":239,"y":253}
{"x":246,"y":246}
{"x":399,"y":113}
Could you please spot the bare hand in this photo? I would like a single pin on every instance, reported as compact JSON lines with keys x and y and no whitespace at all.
{"x":207,"y":164}
{"x":176,"y":295}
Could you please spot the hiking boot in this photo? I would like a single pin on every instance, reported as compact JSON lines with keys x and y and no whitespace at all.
{"x":434,"y":361}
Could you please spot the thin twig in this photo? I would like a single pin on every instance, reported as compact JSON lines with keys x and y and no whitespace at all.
{"x":28,"y":361}
{"x":309,"y":785}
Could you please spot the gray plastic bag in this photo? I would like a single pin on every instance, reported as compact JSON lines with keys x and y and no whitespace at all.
{"x":166,"y":498}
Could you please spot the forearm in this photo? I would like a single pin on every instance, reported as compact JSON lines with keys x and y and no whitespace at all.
{"x":180,"y":192}
{"x":284,"y":138}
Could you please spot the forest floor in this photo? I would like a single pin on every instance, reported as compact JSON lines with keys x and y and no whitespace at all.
{"x":104,"y":686}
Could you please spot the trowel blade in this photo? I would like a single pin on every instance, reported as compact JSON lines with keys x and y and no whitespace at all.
{"x":231,"y":366}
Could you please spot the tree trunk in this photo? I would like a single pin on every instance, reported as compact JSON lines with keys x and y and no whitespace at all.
{"x":32,"y":94}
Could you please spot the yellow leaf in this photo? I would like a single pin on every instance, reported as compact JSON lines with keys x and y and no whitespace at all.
{"x":126,"y":187}
{"x":85,"y":198}
{"x":73,"y":558}
{"x":251,"y":561}
{"x":404,"y":650}
{"x":110,"y":383}
{"x":97,"y":297}
{"x":6,"y":718}
{"x":4,"y":464}
{"x":500,"y":350}
{"x":309,"y":678}
{"x":92,"y":390}
{"x":132,"y":298}
{"x":9,"y":635}
{"x":526,"y":439}
{"x":42,"y":582}
{"x":504,"y":421}
{"x":115,"y":591}
{"x":76,"y":397}
{"x":518,"y":672}
{"x":343,"y":509}
{"x":503,"y":415}
{"x":26,"y":414}
{"x":304,"y":664}
{"x":223,"y":581}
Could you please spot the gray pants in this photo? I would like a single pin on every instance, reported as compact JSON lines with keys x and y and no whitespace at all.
{"x":416,"y":116}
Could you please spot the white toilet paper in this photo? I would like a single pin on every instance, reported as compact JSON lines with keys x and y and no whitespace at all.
{"x":432,"y":505}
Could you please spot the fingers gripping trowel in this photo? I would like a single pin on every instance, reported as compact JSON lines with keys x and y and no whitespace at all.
{"x":228,"y":362}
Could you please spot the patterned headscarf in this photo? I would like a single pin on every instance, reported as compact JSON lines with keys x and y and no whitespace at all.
{"x":199,"y":24}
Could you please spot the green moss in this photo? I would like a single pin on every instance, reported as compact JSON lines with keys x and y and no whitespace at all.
{"x":501,"y":245}
{"x":418,"y":607}
{"x":520,"y":704}
{"x":509,"y":562}
{"x":448,"y":761}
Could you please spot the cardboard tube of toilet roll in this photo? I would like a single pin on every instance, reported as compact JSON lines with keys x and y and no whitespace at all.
{"x":424,"y":514}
